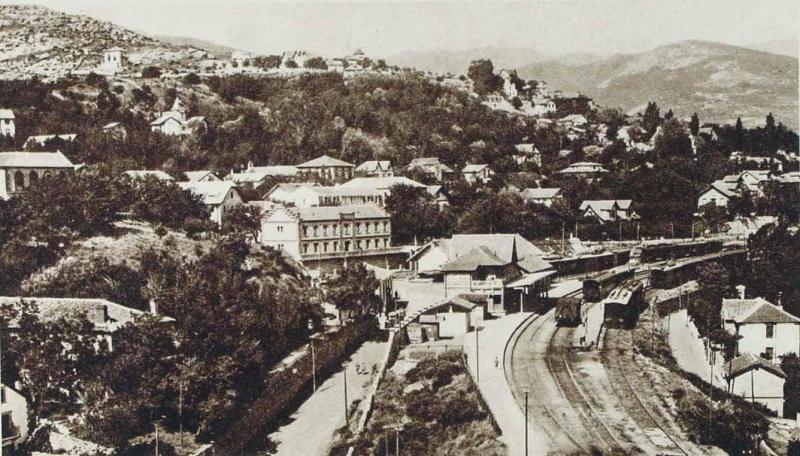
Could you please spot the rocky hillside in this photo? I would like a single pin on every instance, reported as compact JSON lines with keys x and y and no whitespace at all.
{"x":38,"y":41}
{"x":717,"y":81}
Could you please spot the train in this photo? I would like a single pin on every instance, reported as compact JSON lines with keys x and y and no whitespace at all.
{"x":568,"y":311}
{"x":623,"y":304}
{"x":596,"y":288}
{"x":673,"y":275}
{"x":661,"y":252}
{"x":590,"y":263}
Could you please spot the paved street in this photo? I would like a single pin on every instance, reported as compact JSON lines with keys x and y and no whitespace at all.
{"x":312,"y":426}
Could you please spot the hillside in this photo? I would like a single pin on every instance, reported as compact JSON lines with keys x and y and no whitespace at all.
{"x":457,"y":62}
{"x":717,"y":81}
{"x":183,"y":41}
{"x":787,"y":46}
{"x":38,"y":41}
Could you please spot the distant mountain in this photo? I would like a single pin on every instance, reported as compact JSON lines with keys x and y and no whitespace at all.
{"x":457,"y":62}
{"x":787,"y":46}
{"x":717,"y":81}
{"x":217,"y":49}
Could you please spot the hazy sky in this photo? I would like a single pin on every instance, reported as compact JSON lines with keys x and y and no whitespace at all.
{"x":386,"y":28}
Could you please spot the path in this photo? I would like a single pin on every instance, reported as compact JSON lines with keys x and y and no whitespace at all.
{"x":492,"y":340}
{"x":312,"y":426}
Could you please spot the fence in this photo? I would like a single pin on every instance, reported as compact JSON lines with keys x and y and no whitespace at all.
{"x":285,"y":381}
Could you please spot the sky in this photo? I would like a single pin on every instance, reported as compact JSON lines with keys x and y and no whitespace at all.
{"x":334,"y":27}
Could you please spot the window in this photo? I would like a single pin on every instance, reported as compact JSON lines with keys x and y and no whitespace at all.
{"x":305,"y":248}
{"x":8,"y":427}
{"x":769,"y":353}
{"x":2,"y":394}
{"x":280,"y":228}
{"x":770,"y":330}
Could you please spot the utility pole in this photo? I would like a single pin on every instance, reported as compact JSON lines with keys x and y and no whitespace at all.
{"x":180,"y":412}
{"x":397,"y":441}
{"x":563,"y":229}
{"x":477,"y":357}
{"x":346,"y":417}
{"x":526,"y":422}
{"x":156,"y":426}
{"x":313,"y":366}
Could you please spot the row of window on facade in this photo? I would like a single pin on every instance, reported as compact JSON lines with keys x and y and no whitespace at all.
{"x":348,"y":246}
{"x":20,"y":181}
{"x":333,"y":229}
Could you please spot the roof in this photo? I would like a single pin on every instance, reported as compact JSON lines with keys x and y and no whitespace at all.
{"x":374,"y":165}
{"x":319,"y":213}
{"x":288,"y":187}
{"x":325,"y":160}
{"x":462,"y":301}
{"x":107,"y":316}
{"x":212,"y":192}
{"x":725,"y":187}
{"x":111,"y":125}
{"x":41,"y":139}
{"x":428,"y":162}
{"x":165,"y":117}
{"x":758,"y":310}
{"x":6,"y":114}
{"x":381,"y":183}
{"x":606,"y":205}
{"x":273,"y":170}
{"x":143,"y":173}
{"x":748,"y":362}
{"x":115,"y":49}
{"x":527,"y":148}
{"x":529,"y":279}
{"x":474,"y":168}
{"x":474,"y":258}
{"x":584,"y":167}
{"x":197,"y":175}
{"x":502,"y":246}
{"x":540,"y":193}
{"x":34,"y":160}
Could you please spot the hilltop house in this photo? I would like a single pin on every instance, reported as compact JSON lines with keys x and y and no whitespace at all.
{"x":218,"y":196}
{"x":541,"y":106}
{"x":543,"y":196}
{"x":756,"y":379}
{"x":606,"y":211}
{"x":765,"y":329}
{"x":18,"y":170}
{"x":14,"y":412}
{"x":326,"y":231}
{"x":298,"y":57}
{"x":586,"y":170}
{"x":43,"y":140}
{"x":175,"y":123}
{"x":375,"y":168}
{"x":506,"y":268}
{"x":477,"y":173}
{"x":327,"y":167}
{"x":510,"y":80}
{"x":113,"y":61}
{"x":527,"y":152}
{"x":432,"y":168}
{"x":7,"y":127}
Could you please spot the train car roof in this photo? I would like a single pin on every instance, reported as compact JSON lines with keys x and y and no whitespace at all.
{"x":685,"y":261}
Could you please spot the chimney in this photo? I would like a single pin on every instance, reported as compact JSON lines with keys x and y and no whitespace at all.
{"x":98,"y":314}
{"x":153,"y":308}
{"x":250,"y":165}
{"x":780,"y":294}
{"x":741,"y":290}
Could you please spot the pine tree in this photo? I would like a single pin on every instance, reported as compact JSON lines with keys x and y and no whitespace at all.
{"x":694,"y":125}
{"x":738,"y":137}
{"x":652,"y":118}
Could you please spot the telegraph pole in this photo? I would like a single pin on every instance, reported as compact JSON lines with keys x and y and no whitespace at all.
{"x":346,"y":417}
{"x":526,"y":422}
{"x":477,"y":357}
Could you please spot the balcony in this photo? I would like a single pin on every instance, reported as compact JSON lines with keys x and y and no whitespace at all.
{"x":351,"y":254}
{"x":491,"y":284}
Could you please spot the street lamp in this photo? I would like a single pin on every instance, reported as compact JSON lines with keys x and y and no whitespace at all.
{"x":694,"y":216}
{"x":396,"y":428}
{"x":526,"y":421}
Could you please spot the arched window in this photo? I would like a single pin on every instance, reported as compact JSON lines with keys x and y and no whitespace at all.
{"x":33,"y":178}
{"x":19,"y":181}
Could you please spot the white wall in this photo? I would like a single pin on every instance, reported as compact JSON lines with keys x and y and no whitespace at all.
{"x":281,"y":231}
{"x":434,"y":258}
{"x":7,"y":127}
{"x":766,"y":387}
{"x":169,"y":127}
{"x":712,"y":196}
{"x":18,"y":407}
{"x":754,"y":339}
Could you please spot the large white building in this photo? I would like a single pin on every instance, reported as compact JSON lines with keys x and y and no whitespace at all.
{"x":765,"y":329}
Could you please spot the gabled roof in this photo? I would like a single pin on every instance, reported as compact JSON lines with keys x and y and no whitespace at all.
{"x":474,"y":168}
{"x":724,"y":187}
{"x":144,"y":173}
{"x":758,"y":310}
{"x":111,"y":125}
{"x":540,"y":193}
{"x":325,"y":160}
{"x":105,"y":315}
{"x":34,"y":160}
{"x":163,"y":118}
{"x":375,"y":165}
{"x":6,"y":114}
{"x":212,"y":192}
{"x":288,"y":187}
{"x":426,"y":162}
{"x":503,"y":246}
{"x":474,"y":258}
{"x":748,"y":362}
{"x":606,"y":205}
{"x":194,"y":176}
{"x":381,"y":183}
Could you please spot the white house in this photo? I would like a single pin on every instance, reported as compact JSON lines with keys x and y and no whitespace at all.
{"x":375,"y":168}
{"x":113,"y":61}
{"x":381,"y":184}
{"x":200,"y":176}
{"x":543,"y":196}
{"x":14,"y":412}
{"x":542,"y":106}
{"x":145,"y":173}
{"x":608,"y":210}
{"x":756,"y":379}
{"x":718,"y":193}
{"x":175,"y":123}
{"x":310,"y":195}
{"x":219,"y":196}
{"x":7,"y":127}
{"x":477,"y":173}
{"x":766,"y":330}
{"x":527,"y":152}
{"x":451,"y":317}
{"x":18,"y":170}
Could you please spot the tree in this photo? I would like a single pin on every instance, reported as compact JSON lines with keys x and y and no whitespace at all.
{"x":353,"y":289}
{"x":151,"y":72}
{"x":242,"y":220}
{"x":290,"y":64}
{"x":673,"y":141}
{"x":694,"y":125}
{"x":481,"y":72}
{"x":160,"y":202}
{"x":317,"y":63}
{"x":268,"y":61}
{"x":651,"y":118}
{"x":415,"y":217}
{"x":790,"y":364}
{"x":516,"y":102}
{"x":191,"y":79}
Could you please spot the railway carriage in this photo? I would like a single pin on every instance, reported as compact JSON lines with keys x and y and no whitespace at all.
{"x":597,"y":288}
{"x":662,"y":252}
{"x":624,"y":304}
{"x":673,"y":275}
{"x":568,"y":311}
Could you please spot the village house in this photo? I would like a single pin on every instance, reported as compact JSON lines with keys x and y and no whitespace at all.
{"x":765,"y":329}
{"x":543,"y":196}
{"x":326,"y":231}
{"x":542,"y":106}
{"x":375,"y":168}
{"x":328,"y":168}
{"x":432,"y":168}
{"x":606,"y":211}
{"x":449,"y":318}
{"x":218,"y":196}
{"x":144,"y":174}
{"x":7,"y":127}
{"x":14,"y":412}
{"x":510,"y":79}
{"x":383,"y":185}
{"x":175,"y":123}
{"x":335,"y":65}
{"x":756,"y":379}
{"x":115,"y":130}
{"x":585,"y":170}
{"x":255,"y":176}
{"x":113,"y":61}
{"x":527,"y":152}
{"x":719,"y":193}
{"x":201,"y":176}
{"x":506,"y":268}
{"x":573,"y":120}
{"x":18,"y":170}
{"x":298,"y":57}
{"x":106,"y":317}
{"x":477,"y":173}
{"x":43,"y":140}
{"x":438,"y":194}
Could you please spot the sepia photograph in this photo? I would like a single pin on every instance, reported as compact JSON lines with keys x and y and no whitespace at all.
{"x":399,"y":227}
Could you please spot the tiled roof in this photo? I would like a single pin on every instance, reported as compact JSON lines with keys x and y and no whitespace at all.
{"x":212,"y":192}
{"x":319,"y":213}
{"x":6,"y":114}
{"x":473,"y":168}
{"x":529,"y":257}
{"x":166,"y":116}
{"x":34,"y":160}
{"x":757,"y":310}
{"x":425,"y":162}
{"x":324,"y":160}
{"x":472,"y":259}
{"x":584,"y":167}
{"x":381,"y":183}
{"x":274,"y":170}
{"x":747,"y":362}
{"x":144,"y":173}
{"x":196,"y":175}
{"x":540,"y":193}
{"x":374,"y":165}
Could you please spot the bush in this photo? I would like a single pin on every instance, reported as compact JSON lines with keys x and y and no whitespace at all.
{"x":191,"y":78}
{"x":151,"y":72}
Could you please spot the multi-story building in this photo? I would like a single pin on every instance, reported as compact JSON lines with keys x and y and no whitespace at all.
{"x":18,"y":170}
{"x":329,"y":168}
{"x":326,"y":231}
{"x":608,"y":210}
{"x":765,"y":329}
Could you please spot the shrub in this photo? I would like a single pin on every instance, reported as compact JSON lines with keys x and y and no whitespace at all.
{"x":191,"y":78}
{"x":151,"y":72}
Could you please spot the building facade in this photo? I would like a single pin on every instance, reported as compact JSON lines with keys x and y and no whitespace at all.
{"x":7,"y":127}
{"x":18,"y":170}
{"x":329,"y":168}
{"x":765,"y":330}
